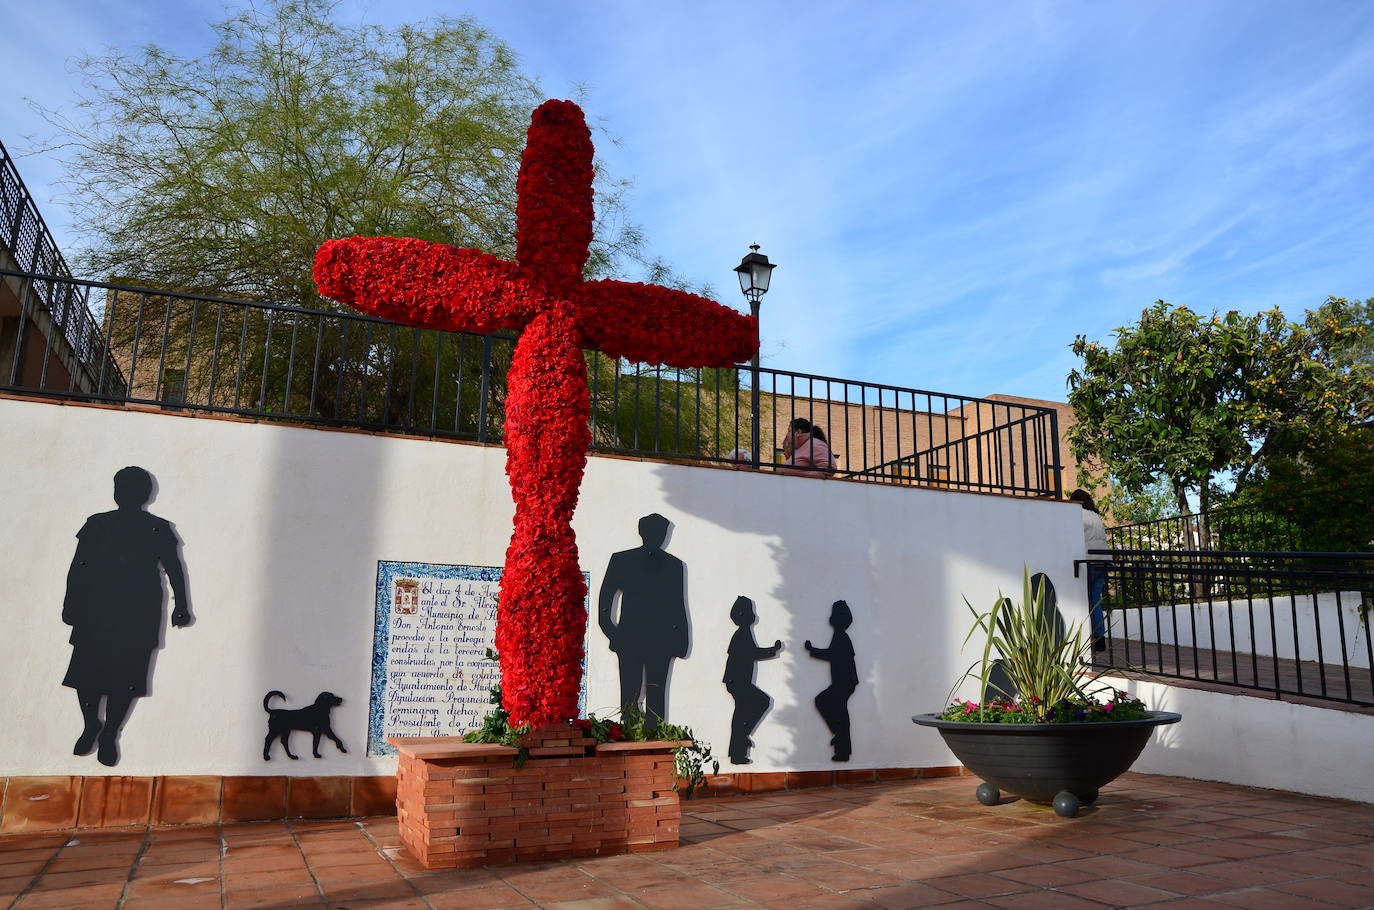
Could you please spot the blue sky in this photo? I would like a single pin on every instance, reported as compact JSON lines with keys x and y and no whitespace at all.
{"x":951,"y":191}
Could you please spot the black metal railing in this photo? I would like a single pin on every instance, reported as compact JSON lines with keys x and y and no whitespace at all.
{"x":1339,"y":518}
{"x":1290,"y":623}
{"x":269,"y":361}
{"x":74,"y":340}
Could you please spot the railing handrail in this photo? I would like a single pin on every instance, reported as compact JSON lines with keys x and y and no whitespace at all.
{"x":11,"y":171}
{"x":368,"y":372}
{"x":1223,"y":511}
{"x":1267,"y":554}
{"x":1030,"y":410}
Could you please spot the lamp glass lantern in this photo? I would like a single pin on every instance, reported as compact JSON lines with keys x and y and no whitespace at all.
{"x":754,"y":271}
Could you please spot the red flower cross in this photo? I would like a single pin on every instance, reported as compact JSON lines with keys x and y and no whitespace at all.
{"x":541,"y":617}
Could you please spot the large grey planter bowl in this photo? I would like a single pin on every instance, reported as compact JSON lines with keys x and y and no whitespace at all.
{"x":1060,"y":764}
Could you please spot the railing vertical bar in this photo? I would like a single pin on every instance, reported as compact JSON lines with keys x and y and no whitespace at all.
{"x":343,"y":367}
{"x":111,"y":310}
{"x":1340,"y":628}
{"x":291,"y":363}
{"x":214,"y":355}
{"x":414,"y":376}
{"x":190,"y":346}
{"x":458,"y":389}
{"x":270,"y":317}
{"x":162,"y":352}
{"x":315,"y":366}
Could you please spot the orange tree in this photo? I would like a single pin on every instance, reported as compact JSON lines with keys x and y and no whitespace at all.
{"x":1190,"y":398}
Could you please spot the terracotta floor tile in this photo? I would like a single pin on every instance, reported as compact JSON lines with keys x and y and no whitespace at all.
{"x":482,"y":897}
{"x":456,"y":880}
{"x":63,"y":880}
{"x":770,"y":887}
{"x":27,"y":869}
{"x":1332,"y":891}
{"x":596,"y":903}
{"x":1042,"y":900}
{"x":1117,"y":893}
{"x":11,"y":885}
{"x":566,"y":890}
{"x":65,"y":863}
{"x":276,"y":878}
{"x":1363,"y":879}
{"x":1171,"y":857}
{"x":274,"y":898}
{"x":191,"y":885}
{"x":185,"y":902}
{"x":1052,"y":875}
{"x":280,"y":862}
{"x":371,"y":871}
{"x":822,"y":902}
{"x":108,"y":894}
{"x":1150,"y":841}
{"x":1183,"y":882}
{"x":976,"y":885}
{"x":685,"y":895}
{"x":144,"y":872}
{"x":1247,"y":873}
{"x":372,"y":891}
{"x":1265,"y":899}
{"x":910,"y":894}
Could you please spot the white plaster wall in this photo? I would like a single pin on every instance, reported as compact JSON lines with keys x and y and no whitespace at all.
{"x":283,"y":527}
{"x":1258,"y":742}
{"x":1298,"y":623}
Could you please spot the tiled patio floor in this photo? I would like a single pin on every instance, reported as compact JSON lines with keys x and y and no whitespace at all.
{"x":1155,"y":841}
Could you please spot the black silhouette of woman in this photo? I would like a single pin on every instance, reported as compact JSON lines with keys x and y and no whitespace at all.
{"x":114,"y":606}
{"x":751,"y":702}
{"x":833,"y":703}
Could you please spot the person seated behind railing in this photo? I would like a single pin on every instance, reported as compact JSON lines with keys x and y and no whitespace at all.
{"x":742,"y":459}
{"x":806,"y":450}
{"x":1094,"y":538}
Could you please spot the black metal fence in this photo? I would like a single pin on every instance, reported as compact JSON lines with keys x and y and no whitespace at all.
{"x":73,"y":339}
{"x":1290,"y":623}
{"x":268,"y":361}
{"x":1341,"y":518}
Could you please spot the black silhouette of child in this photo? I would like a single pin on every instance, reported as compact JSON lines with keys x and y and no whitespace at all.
{"x":833,"y":703}
{"x":114,"y":606}
{"x":751,"y":702}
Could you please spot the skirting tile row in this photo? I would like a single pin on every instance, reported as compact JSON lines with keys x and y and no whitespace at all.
{"x":62,"y":803}
{"x":59,"y":803}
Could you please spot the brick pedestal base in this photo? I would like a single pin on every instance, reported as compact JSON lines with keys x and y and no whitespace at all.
{"x":466,"y":804}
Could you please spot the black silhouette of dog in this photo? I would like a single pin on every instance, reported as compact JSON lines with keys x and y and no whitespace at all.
{"x":314,"y":718}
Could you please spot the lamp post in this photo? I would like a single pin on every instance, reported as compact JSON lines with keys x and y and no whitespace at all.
{"x":754,"y":270}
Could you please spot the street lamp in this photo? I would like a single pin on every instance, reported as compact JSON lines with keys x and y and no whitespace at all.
{"x":754,"y":271}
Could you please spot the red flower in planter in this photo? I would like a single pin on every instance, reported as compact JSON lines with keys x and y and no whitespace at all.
{"x":541,"y":617}
{"x":615,"y":732}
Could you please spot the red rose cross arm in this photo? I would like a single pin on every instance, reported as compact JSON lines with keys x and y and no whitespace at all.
{"x":429,"y":285}
{"x":647,"y":323}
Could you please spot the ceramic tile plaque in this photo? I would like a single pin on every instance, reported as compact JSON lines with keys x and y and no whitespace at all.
{"x":433,"y":626}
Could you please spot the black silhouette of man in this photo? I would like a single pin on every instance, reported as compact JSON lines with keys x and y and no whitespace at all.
{"x":651,"y":628}
{"x":751,"y":702}
{"x":114,"y":606}
{"x":833,"y":702}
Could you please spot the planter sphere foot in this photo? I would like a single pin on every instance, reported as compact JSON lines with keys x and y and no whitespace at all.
{"x":988,"y":795}
{"x":1066,"y":804}
{"x":1088,"y":798}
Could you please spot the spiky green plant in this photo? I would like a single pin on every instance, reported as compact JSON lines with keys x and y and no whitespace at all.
{"x":1043,"y":668}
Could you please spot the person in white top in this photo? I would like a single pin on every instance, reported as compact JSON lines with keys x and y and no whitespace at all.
{"x":1094,"y":538}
